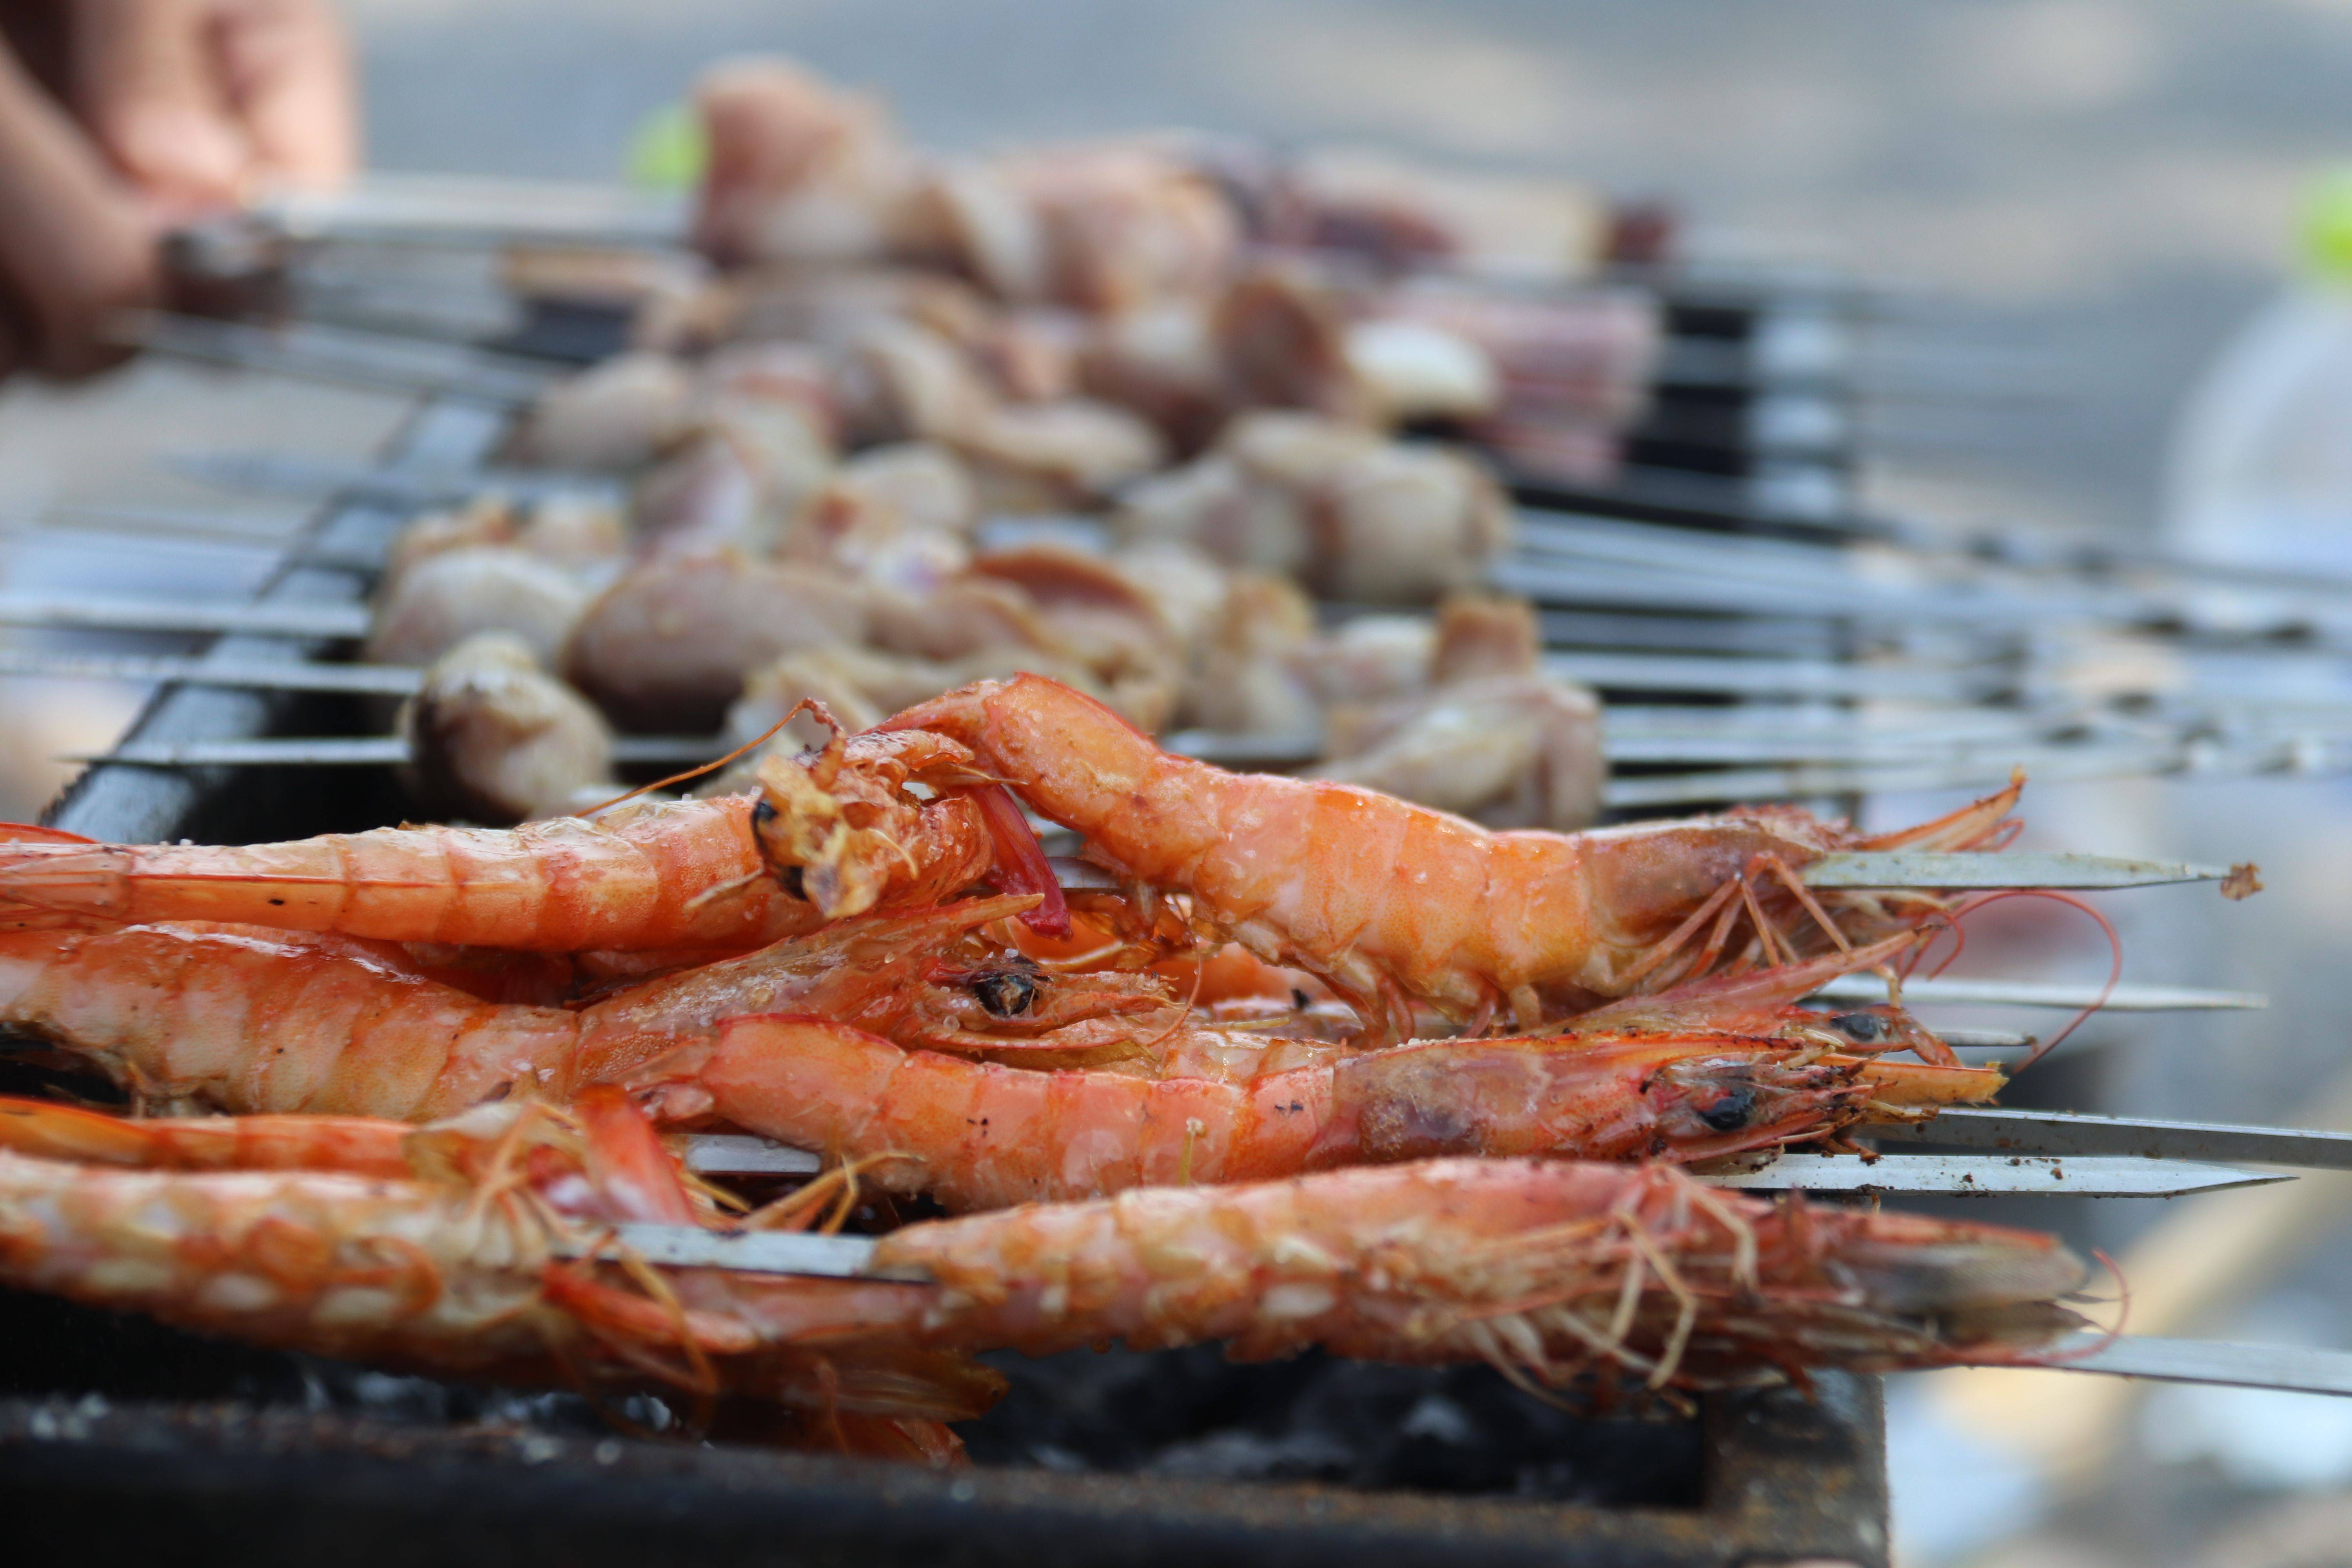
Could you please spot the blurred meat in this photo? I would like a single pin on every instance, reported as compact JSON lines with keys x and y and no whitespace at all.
{"x":610,"y":418}
{"x":799,"y":170}
{"x":1493,"y":738}
{"x":1351,"y":514}
{"x":493,"y":737}
{"x":445,"y":598}
{"x":667,"y":648}
{"x":1401,"y":215}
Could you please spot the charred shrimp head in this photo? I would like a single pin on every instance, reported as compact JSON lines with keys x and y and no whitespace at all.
{"x":904,"y":819}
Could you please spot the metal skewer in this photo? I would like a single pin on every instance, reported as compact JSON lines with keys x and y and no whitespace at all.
{"x":2033,"y":994}
{"x":2073,"y":1134}
{"x":1963,"y":1175}
{"x":323,"y":621}
{"x":292,"y":675}
{"x":340,"y":355}
{"x":2292,"y":1369}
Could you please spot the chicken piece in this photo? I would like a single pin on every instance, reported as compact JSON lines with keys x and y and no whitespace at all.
{"x":798,"y":170}
{"x":610,"y":418}
{"x":733,"y":485}
{"x":667,"y":647}
{"x":441,"y":600}
{"x":1112,"y":626}
{"x":1056,"y":457}
{"x":1371,"y":658}
{"x":1164,"y":363}
{"x":828,"y":309}
{"x":1352,"y":515}
{"x":1280,"y":335}
{"x":1509,"y":751}
{"x":900,"y":380}
{"x":1491,"y":738}
{"x":893,"y":517}
{"x":1246,"y":679}
{"x":961,"y":618}
{"x":494,"y":739}
{"x":1031,"y":356}
{"x":1188,"y":588}
{"x":1101,"y":228}
{"x":1406,"y":522}
{"x":1479,"y":634}
{"x":1589,"y":356}
{"x":794,"y":376}
{"x":1400,"y":215}
{"x":922,"y":484}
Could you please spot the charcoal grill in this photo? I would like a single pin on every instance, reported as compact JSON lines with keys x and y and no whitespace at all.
{"x":119,"y":1436}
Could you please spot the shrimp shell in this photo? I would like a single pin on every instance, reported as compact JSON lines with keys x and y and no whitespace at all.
{"x":1392,"y":903}
{"x":1548,"y":1270}
{"x":674,"y":874}
{"x":980,"y":1134}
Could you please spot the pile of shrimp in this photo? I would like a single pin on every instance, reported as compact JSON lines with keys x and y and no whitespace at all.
{"x":1441,"y":1076}
{"x":1118,"y":414}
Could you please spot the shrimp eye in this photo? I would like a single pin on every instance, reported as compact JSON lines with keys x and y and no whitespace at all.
{"x":1006,"y":993}
{"x":1862,"y":1027}
{"x":1730,"y":1113}
{"x":762,"y":814}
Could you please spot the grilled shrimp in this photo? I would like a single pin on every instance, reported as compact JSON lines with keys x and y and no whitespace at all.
{"x":1392,"y":903}
{"x":1548,"y":1271}
{"x":1226,"y":1106}
{"x":832,"y":835}
{"x":437,"y":1251}
{"x":244,"y":1019}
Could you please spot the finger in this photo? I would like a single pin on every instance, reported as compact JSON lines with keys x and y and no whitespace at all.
{"x":289,"y":75}
{"x":12,"y":344}
{"x":74,"y":246}
{"x":147,"y":81}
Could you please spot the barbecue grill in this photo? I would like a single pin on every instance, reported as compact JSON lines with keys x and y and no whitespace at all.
{"x":123,"y":1434}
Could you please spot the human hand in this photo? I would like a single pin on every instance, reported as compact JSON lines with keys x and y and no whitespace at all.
{"x":120,"y":119}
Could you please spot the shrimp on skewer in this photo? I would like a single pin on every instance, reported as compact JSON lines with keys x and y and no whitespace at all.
{"x":1551,"y":1272}
{"x":447,"y":1263}
{"x":983,"y":1134}
{"x":249,"y":1019}
{"x":1392,"y":903}
{"x":834,"y":834}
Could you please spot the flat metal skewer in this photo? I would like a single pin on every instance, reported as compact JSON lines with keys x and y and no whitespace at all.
{"x":324,"y":621}
{"x":341,"y":355}
{"x":2076,"y":1133}
{"x":347,"y":751}
{"x":292,"y":675}
{"x":1964,"y":1175}
{"x":2037,"y":994}
{"x":2292,"y":1369}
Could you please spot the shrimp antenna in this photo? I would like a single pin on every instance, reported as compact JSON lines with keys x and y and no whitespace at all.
{"x":2122,"y":1315}
{"x":769,"y":734}
{"x":2114,"y":969}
